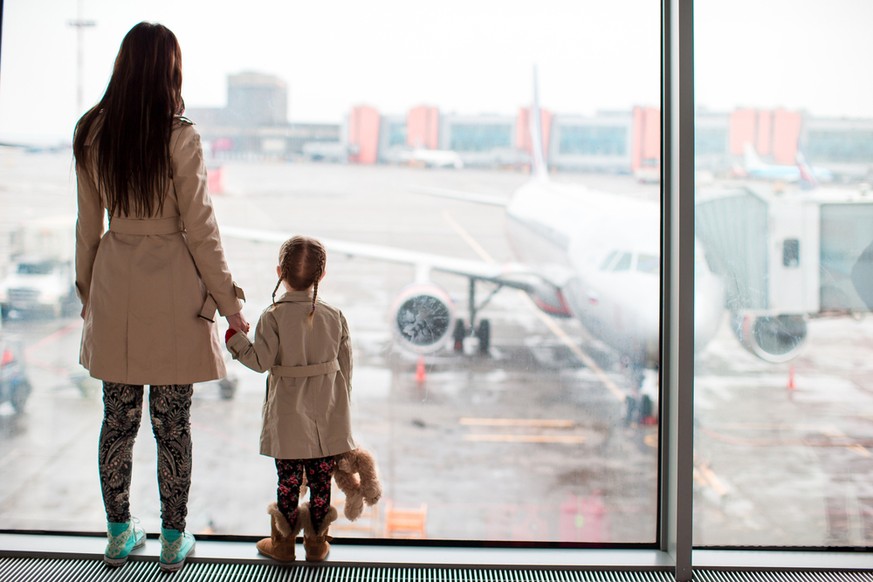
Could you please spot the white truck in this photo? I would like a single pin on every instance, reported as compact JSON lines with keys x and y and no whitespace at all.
{"x":40,"y":277}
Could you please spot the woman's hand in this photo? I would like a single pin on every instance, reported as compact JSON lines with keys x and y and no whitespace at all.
{"x":238,"y":322}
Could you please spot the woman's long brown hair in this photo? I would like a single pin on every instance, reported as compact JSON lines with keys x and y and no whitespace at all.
{"x":131,"y":152}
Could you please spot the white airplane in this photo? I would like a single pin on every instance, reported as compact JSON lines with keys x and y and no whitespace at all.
{"x":800,"y":172}
{"x":430,"y":158}
{"x":581,"y":253}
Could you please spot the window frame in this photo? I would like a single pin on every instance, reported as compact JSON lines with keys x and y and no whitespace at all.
{"x":675,"y":502}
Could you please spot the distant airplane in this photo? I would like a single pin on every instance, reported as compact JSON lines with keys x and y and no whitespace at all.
{"x":430,"y":158}
{"x":800,"y":172}
{"x":582,"y":253}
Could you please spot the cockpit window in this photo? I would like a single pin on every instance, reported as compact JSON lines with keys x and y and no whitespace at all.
{"x":647,"y":263}
{"x":604,"y":266}
{"x":623,"y":263}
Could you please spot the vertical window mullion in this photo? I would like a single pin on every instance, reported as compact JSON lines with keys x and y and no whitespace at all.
{"x":677,"y":298}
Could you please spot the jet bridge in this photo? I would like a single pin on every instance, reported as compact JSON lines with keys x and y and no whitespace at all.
{"x":784,"y":257}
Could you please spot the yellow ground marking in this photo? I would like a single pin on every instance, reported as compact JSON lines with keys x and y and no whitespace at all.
{"x":468,"y":238}
{"x":577,"y":351}
{"x":553,"y":327}
{"x":527,"y":422}
{"x":566,"y":439}
{"x":708,"y":477}
{"x":698,"y":477}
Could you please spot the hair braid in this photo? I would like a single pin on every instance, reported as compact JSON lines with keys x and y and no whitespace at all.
{"x":301,"y":264}
{"x":276,"y":288}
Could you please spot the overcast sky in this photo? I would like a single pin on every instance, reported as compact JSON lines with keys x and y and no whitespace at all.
{"x":467,"y":56}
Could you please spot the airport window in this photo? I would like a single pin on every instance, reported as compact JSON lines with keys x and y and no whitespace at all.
{"x":593,"y":140}
{"x":396,"y":134}
{"x":565,"y":449}
{"x":782,"y":455}
{"x":710,"y":141}
{"x":846,"y":142}
{"x":480,"y":137}
{"x":486,"y":425}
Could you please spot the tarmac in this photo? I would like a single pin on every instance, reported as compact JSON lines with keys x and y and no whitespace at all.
{"x":528,"y":443}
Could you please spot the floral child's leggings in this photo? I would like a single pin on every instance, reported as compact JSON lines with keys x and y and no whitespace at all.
{"x":170,"y":409}
{"x":318,"y":475}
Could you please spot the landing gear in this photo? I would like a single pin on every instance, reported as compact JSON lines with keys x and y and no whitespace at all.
{"x":641,"y":407}
{"x":482,"y":331}
{"x":458,"y":335}
{"x":484,"y":334}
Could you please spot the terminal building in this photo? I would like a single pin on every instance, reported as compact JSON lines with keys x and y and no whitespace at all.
{"x":255,"y":124}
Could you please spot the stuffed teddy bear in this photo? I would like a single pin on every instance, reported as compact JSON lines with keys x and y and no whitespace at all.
{"x":356,"y":477}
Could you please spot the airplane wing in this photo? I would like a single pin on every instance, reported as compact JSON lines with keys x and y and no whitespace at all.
{"x":474,"y":197}
{"x":512,"y":275}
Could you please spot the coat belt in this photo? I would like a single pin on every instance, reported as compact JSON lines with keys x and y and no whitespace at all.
{"x":146,"y":226}
{"x":305,"y":371}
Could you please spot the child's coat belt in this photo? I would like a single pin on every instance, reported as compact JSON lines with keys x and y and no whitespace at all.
{"x":306,"y":371}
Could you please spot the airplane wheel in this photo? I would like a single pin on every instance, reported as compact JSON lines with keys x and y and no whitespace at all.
{"x":458,"y":335}
{"x":484,"y":335}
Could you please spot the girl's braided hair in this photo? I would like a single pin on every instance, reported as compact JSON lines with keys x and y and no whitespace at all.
{"x":302,"y":260}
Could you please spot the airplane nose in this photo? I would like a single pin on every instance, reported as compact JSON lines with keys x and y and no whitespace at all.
{"x":708,"y":309}
{"x":647,"y":317}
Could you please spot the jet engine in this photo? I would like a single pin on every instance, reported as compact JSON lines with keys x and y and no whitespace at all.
{"x":421,"y":318}
{"x":773,"y":338}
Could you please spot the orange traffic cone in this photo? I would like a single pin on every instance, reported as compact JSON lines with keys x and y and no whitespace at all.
{"x":419,"y":370}
{"x":791,"y":385}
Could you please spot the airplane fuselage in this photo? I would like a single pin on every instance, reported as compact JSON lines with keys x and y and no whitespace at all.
{"x":611,"y":245}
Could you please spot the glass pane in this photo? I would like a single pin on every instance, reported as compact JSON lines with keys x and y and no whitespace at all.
{"x":400,"y":134}
{"x":783,"y":392}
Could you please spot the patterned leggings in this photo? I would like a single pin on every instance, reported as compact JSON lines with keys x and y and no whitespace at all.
{"x":318,"y":474}
{"x":170,"y":408}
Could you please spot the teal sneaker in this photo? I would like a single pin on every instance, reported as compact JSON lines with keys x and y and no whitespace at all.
{"x":123,"y":538}
{"x":175,"y":547}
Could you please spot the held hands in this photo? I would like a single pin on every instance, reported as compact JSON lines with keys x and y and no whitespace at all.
{"x":238,"y":322}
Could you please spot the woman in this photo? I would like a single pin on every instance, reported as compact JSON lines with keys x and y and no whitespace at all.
{"x":151,"y":284}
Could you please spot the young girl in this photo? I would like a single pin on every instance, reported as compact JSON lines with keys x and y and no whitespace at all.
{"x":304,"y":343}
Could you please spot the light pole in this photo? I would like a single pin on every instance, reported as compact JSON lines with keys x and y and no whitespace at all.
{"x":80,"y":24}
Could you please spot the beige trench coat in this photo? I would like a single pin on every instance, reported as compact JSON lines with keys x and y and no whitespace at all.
{"x":150,"y":286}
{"x":307,"y":408}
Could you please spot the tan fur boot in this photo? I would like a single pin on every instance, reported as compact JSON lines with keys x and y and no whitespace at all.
{"x":316,"y":542}
{"x":283,"y":535}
